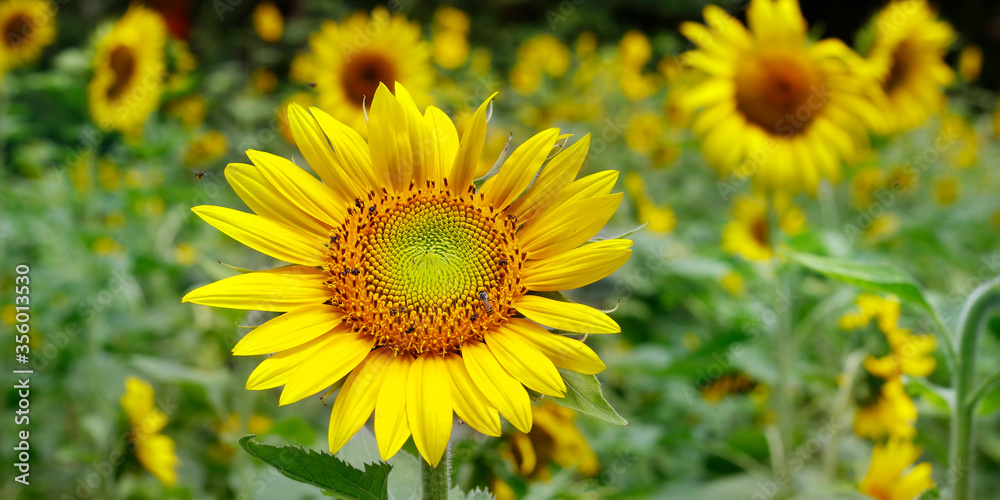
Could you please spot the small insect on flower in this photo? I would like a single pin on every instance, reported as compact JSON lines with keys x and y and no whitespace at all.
{"x":485,"y":299}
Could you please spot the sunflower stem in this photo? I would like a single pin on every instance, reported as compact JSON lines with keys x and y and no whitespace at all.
{"x":974,"y":313}
{"x":437,"y":480}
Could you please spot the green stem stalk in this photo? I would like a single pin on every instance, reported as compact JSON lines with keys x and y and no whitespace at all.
{"x":970,"y":321}
{"x":437,"y":480}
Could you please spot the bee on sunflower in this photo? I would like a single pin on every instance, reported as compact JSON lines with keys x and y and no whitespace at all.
{"x":773,"y":105}
{"x":392,"y":253}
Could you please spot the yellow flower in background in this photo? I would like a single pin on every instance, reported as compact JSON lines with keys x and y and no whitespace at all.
{"x":185,"y":254}
{"x":555,"y":438}
{"x":946,"y":191}
{"x":348,"y":60}
{"x":773,"y":106}
{"x":450,"y":37}
{"x":634,"y":51}
{"x":182,"y":64}
{"x":749,"y":234}
{"x":129,"y":69}
{"x":643,"y":132}
{"x":26,"y":27}
{"x":970,"y":62}
{"x":268,"y":22}
{"x":154,"y":450}
{"x":190,"y":110}
{"x":884,"y":310}
{"x":660,"y":219}
{"x":965,"y":151}
{"x":539,"y":55}
{"x":865,"y":183}
{"x":908,"y":52}
{"x":732,"y":384}
{"x":882,"y":228}
{"x":892,"y":475}
{"x":909,"y":354}
{"x":410,"y":283}
{"x":264,"y":81}
{"x":885,"y":410}
{"x":206,"y":148}
{"x":733,"y":282}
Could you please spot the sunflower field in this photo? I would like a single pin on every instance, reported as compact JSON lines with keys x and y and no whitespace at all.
{"x":741,"y":250}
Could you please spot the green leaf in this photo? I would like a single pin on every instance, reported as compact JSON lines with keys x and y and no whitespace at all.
{"x":323,"y":470}
{"x":583,"y":394}
{"x":879,"y":277}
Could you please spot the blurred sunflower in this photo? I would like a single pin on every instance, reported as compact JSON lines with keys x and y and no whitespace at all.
{"x":268,"y":22}
{"x":884,"y":409}
{"x":775,"y":107}
{"x":892,"y":475}
{"x":349,"y":60}
{"x":554,"y":437}
{"x":908,"y":56}
{"x":411,"y":282}
{"x":154,"y":450}
{"x":129,"y":69}
{"x":450,"y":37}
{"x":750,"y":234}
{"x":27,"y":27}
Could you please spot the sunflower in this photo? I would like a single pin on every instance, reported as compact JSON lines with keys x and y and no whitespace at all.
{"x":154,"y":450}
{"x":908,"y":56}
{"x":411,"y":283}
{"x":909,"y":354}
{"x":892,"y":475}
{"x":884,"y":409}
{"x":749,"y":235}
{"x":349,"y":60}
{"x":128,"y":72}
{"x":268,"y":22}
{"x":554,"y":437}
{"x":774,"y":106}
{"x":27,"y":27}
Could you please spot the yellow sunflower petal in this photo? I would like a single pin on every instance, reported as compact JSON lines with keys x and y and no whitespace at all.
{"x":300,"y":188}
{"x":526,"y":363}
{"x":266,"y":236}
{"x":576,"y":268}
{"x":278,"y":369}
{"x":389,"y":140}
{"x":519,"y":169}
{"x":356,"y":399}
{"x":278,"y":290}
{"x":289,"y":330}
{"x":469,"y":150}
{"x":497,"y":385}
{"x":593,"y":185}
{"x":421,"y":138}
{"x":351,"y":151}
{"x":328,"y":364}
{"x":315,"y":147}
{"x":469,"y":402}
{"x":265,"y":200}
{"x":391,"y":427}
{"x":567,"y":316}
{"x":444,"y":143}
{"x":564,"y":352}
{"x":555,"y":177}
{"x":429,"y":406}
{"x":560,"y":230}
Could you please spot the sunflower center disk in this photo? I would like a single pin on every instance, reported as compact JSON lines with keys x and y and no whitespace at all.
{"x":424,"y":271}
{"x":779,"y":91}
{"x":122,"y":62}
{"x":17,"y":31}
{"x":362,"y":74}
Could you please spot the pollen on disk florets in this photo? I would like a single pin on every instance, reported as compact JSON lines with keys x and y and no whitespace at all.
{"x":423,"y":269}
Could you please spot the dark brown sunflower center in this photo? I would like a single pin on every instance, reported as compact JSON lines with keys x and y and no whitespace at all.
{"x":122,"y":63}
{"x":425,"y":270}
{"x":362,"y":74}
{"x":903,"y":62}
{"x":17,"y":30}
{"x":779,"y":91}
{"x":761,"y":231}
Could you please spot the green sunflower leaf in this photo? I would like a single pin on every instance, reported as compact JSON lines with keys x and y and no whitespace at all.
{"x":878,"y":277}
{"x":323,"y":470}
{"x":583,"y":394}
